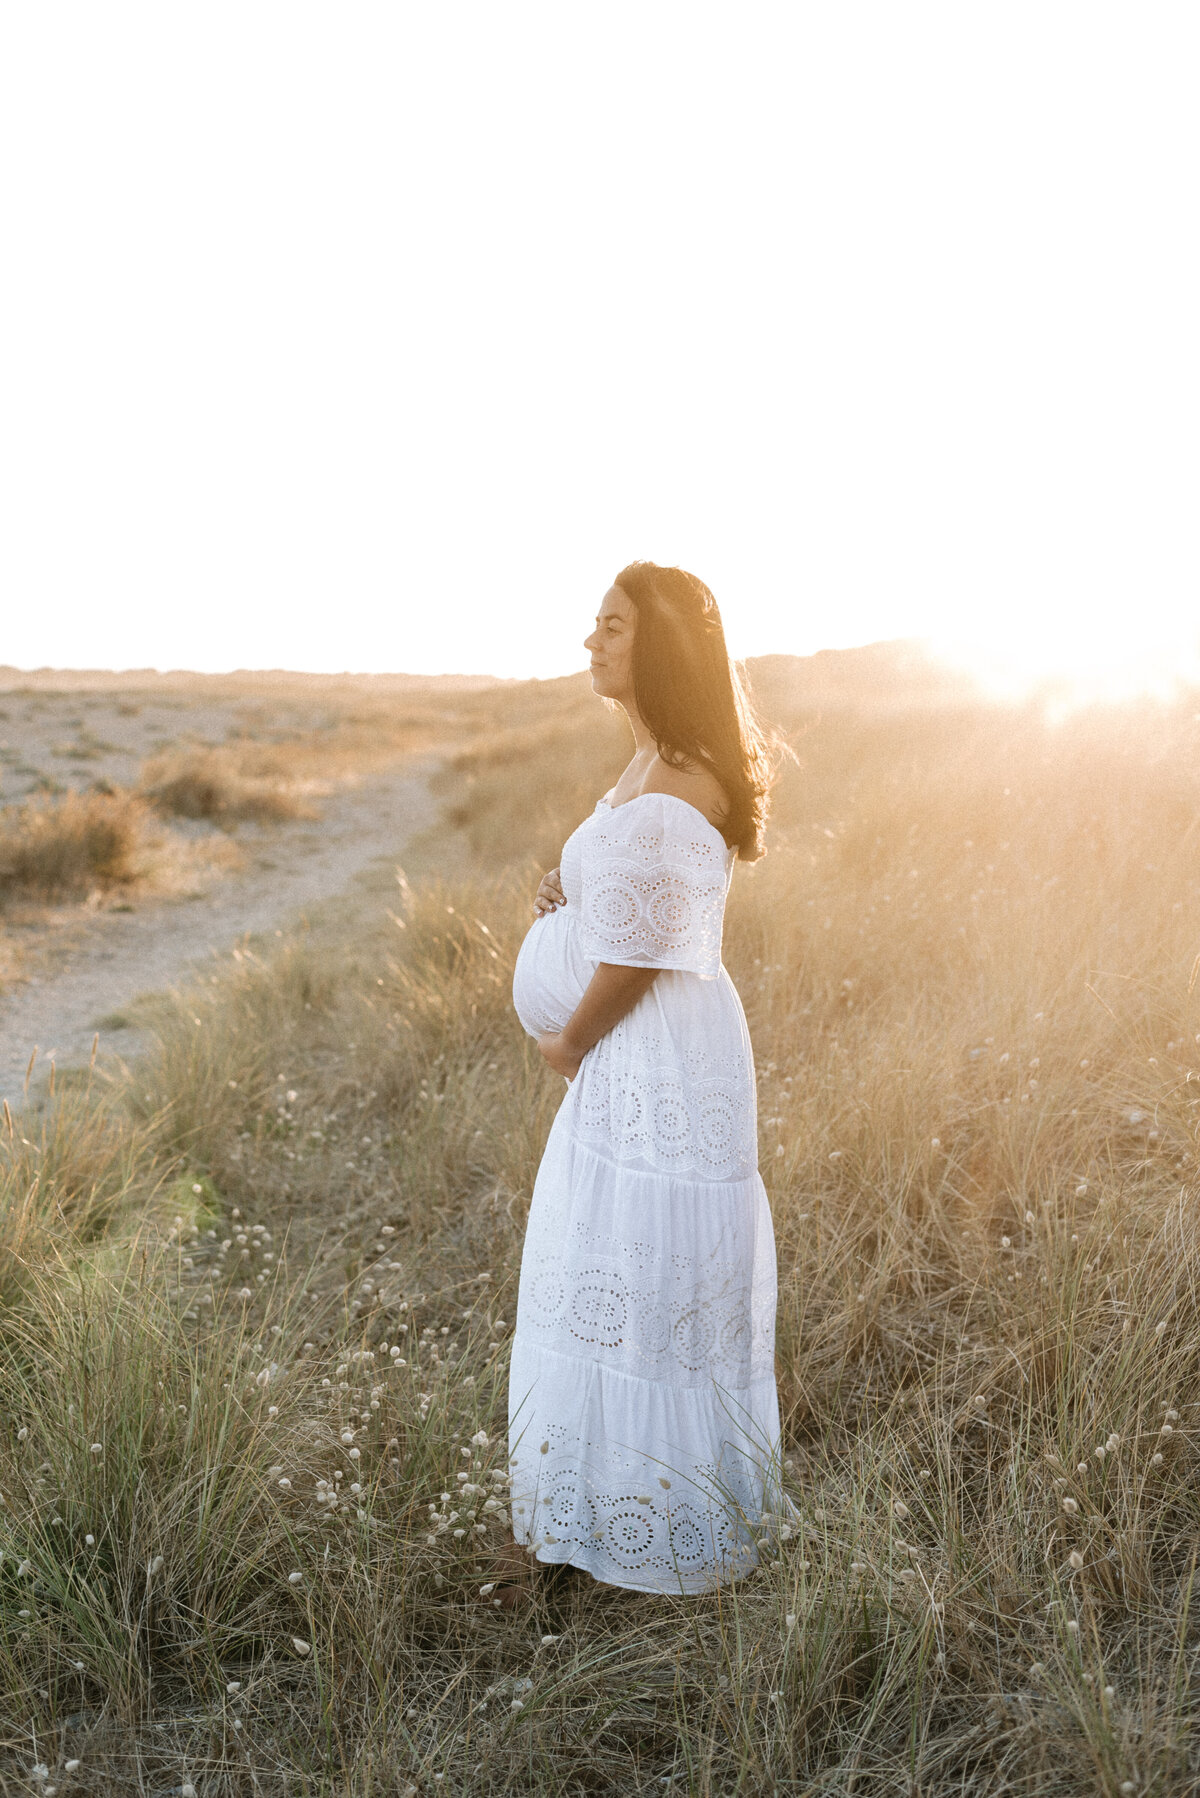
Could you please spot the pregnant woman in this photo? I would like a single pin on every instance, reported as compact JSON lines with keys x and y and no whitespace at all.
{"x":643,"y":1412}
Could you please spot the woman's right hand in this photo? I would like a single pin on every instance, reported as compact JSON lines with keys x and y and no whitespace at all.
{"x":549,"y":895}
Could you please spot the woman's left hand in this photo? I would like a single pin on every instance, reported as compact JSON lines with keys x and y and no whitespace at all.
{"x":563,"y":1060}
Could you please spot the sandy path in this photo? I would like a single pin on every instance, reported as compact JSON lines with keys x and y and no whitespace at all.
{"x":122,"y":955}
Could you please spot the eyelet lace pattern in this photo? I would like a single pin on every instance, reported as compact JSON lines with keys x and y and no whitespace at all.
{"x":661,"y":1279}
{"x":664,"y":1521}
{"x":681,"y":1107}
{"x":643,"y":1412}
{"x":651,"y":878}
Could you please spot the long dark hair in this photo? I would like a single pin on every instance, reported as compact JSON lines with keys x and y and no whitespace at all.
{"x":692,"y":699}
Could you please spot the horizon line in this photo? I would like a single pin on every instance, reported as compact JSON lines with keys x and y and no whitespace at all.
{"x":146,"y":668}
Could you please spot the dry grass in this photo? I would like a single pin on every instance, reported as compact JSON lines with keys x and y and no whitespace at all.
{"x":65,"y":848}
{"x":62,"y":860}
{"x":227,"y":786}
{"x":262,"y":775}
{"x":533,"y":769}
{"x":291,"y":743}
{"x":967,"y":964}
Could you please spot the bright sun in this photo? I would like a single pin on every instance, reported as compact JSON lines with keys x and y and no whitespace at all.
{"x":1074,"y":665}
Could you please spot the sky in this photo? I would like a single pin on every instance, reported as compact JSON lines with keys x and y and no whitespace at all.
{"x":380,"y":337}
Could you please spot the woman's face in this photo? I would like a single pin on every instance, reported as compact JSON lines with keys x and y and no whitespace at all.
{"x":610,"y":647}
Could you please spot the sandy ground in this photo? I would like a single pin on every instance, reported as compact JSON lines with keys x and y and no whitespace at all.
{"x":55,"y":741}
{"x":117,"y":956}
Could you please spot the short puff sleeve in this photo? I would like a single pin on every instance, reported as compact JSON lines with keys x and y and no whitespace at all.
{"x":653,"y":879}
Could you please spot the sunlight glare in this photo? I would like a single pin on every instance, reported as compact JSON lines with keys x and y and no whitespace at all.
{"x":1073,"y":663}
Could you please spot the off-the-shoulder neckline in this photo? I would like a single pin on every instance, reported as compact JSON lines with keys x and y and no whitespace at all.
{"x":708,"y":824}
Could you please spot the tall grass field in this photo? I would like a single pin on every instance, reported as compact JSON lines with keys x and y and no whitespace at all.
{"x":257,"y":1290}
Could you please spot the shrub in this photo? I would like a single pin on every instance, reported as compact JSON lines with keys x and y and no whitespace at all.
{"x":65,"y":847}
{"x":209,"y":783}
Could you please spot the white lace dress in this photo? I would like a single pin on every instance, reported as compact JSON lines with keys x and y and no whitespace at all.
{"x":643,"y":1412}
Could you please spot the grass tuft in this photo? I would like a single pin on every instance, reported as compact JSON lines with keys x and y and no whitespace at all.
{"x":224,"y":786}
{"x":69,"y":846}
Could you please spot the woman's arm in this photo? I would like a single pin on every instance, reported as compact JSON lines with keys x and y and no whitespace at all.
{"x":611,"y":992}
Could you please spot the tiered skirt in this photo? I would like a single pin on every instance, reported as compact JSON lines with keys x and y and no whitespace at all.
{"x":643,"y":1408}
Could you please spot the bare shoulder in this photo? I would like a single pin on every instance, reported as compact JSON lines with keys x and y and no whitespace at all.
{"x":693,"y":783}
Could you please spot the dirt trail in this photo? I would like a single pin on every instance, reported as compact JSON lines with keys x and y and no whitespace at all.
{"x":122,"y":955}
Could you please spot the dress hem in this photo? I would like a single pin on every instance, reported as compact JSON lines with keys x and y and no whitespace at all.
{"x":682,"y":1590}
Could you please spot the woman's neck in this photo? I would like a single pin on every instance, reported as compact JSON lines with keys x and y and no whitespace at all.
{"x":644,"y":741}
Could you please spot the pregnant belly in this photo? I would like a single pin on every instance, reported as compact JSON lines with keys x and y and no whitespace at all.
{"x":551,"y":974}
